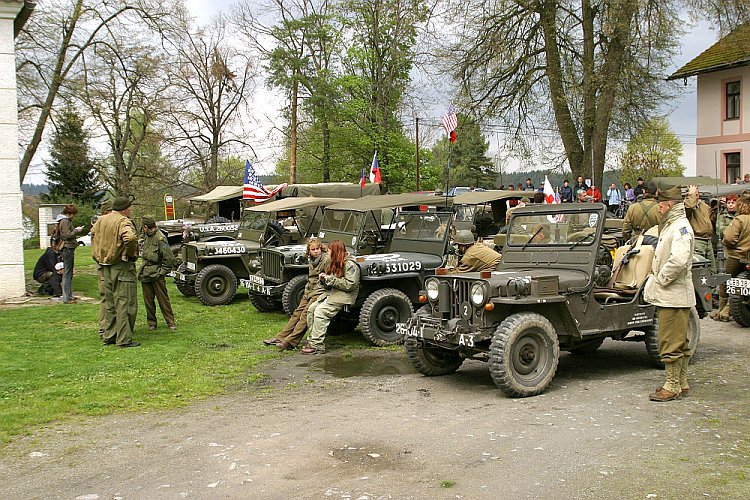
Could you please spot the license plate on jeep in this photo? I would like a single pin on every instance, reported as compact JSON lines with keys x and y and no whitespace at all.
{"x":259,"y":289}
{"x":402,"y":329}
{"x":190,"y":266}
{"x":738,"y":286}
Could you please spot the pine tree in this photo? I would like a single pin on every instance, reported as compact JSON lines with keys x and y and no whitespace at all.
{"x":71,"y":174}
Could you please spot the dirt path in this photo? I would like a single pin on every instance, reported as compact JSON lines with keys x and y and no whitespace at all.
{"x":310,"y":434}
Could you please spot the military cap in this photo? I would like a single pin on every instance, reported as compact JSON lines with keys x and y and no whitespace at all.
{"x":669,"y":193}
{"x":105,"y":206}
{"x":121,"y":203}
{"x":149,"y":221}
{"x":464,"y":237}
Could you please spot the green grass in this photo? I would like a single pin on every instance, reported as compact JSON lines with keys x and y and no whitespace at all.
{"x":54,"y":366}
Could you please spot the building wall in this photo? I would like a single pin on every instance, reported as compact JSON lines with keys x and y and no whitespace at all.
{"x":12,"y":282}
{"x":716,"y":135}
{"x":47,"y":215}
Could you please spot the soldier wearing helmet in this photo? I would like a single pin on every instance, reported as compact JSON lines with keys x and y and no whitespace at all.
{"x":474,"y":256}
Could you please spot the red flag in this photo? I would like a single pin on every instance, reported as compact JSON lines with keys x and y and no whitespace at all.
{"x":375,"y":170}
{"x":362,"y":180}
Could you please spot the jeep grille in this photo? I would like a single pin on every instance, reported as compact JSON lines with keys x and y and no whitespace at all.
{"x":460,"y":290}
{"x":273,"y":264}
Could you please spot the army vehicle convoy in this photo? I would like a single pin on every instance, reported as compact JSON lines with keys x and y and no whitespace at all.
{"x":551,"y":292}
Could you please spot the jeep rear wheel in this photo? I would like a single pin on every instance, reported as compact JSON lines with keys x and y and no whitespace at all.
{"x":652,"y":338}
{"x":380,"y":313}
{"x":739,"y":305}
{"x":215,"y":285}
{"x":523,"y":355}
{"x":293,"y":292}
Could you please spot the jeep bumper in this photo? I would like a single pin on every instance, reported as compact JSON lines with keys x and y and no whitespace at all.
{"x":259,"y":286}
{"x":452,"y":333}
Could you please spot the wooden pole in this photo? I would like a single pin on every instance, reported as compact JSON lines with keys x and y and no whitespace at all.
{"x":416,"y":126}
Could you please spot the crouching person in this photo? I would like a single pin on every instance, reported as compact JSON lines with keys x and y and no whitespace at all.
{"x":48,"y":271}
{"x":340,"y":283}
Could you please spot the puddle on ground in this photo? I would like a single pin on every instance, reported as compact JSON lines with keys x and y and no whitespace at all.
{"x":345,"y":367}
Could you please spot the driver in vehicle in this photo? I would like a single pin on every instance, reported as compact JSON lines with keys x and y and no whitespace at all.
{"x":474,"y":256}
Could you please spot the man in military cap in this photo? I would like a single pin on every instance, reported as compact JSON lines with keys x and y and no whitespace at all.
{"x":699,"y":214}
{"x":105,"y":207}
{"x":114,"y":246}
{"x":643,"y":215}
{"x":670,"y":289}
{"x":474,"y":256}
{"x":158,"y":261}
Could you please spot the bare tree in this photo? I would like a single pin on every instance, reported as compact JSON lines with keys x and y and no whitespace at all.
{"x":212,"y":81}
{"x":51,"y":45}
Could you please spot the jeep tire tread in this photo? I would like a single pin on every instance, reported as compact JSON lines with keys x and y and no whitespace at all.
{"x":524,"y":353}
{"x":652,"y":338}
{"x":431,"y":360}
{"x":380,"y":313}
{"x":293,"y":292}
{"x":215,"y":285}
{"x":739,"y":305}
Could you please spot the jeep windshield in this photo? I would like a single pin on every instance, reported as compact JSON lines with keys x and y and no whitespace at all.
{"x":423,"y":232}
{"x":350,"y":226}
{"x":253,"y":225}
{"x":553,"y":229}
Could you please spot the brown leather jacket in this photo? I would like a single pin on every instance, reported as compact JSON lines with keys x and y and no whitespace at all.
{"x":737,"y":238}
{"x":478,"y":258}
{"x":114,"y":239}
{"x":699,"y":214}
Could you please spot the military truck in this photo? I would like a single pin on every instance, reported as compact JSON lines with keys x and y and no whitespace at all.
{"x":550,"y":293}
{"x":213,"y":269}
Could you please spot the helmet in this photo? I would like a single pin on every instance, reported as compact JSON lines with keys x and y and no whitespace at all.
{"x":464,"y":237}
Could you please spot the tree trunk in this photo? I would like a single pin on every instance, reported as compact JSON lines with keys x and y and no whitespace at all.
{"x":326,"y":150}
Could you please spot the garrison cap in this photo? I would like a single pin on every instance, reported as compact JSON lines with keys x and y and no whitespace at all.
{"x":149,"y":221}
{"x":669,"y":193}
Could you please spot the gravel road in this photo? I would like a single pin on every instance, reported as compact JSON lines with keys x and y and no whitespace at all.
{"x":309,"y":432}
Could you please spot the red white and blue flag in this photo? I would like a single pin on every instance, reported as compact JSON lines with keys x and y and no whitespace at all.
{"x":375,"y":170}
{"x":450,"y":123}
{"x":253,"y":189}
{"x":362,"y":180}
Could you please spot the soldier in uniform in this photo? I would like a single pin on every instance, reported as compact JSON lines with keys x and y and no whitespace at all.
{"x":643,"y":215}
{"x":723,"y":221}
{"x":699,"y":214}
{"x":158,"y":261}
{"x":290,"y":336}
{"x":670,"y":289}
{"x":115,"y":247}
{"x":105,"y":207}
{"x":474,"y":256}
{"x":737,"y":242}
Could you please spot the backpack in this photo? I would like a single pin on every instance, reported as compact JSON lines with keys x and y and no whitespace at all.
{"x":55,"y":238}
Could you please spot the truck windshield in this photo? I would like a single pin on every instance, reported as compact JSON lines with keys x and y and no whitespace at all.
{"x":422,"y":226}
{"x":553,"y":229}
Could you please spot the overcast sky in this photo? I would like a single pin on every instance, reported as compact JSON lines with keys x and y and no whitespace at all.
{"x":682,"y":111}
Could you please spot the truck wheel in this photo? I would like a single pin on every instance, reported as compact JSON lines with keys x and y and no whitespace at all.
{"x":739,"y":305}
{"x":215,"y":285}
{"x":431,"y":360}
{"x":523,"y":355}
{"x":186,"y":288}
{"x":380,"y":313}
{"x":293,"y":292}
{"x":588,"y":347}
{"x":262,"y":303}
{"x":652,"y":338}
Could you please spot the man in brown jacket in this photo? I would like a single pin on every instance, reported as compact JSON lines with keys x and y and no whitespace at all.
{"x":699,"y":214}
{"x":643,"y":215}
{"x":115,"y":248}
{"x":474,"y":256}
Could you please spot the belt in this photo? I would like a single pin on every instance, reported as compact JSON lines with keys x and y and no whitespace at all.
{"x":702,"y":239}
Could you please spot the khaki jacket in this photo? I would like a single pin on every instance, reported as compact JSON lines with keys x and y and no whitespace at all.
{"x":671,"y":284}
{"x":313,"y":287}
{"x":699,"y":214}
{"x":342,"y":290}
{"x":113,"y":239}
{"x":158,"y":259}
{"x":737,"y":238}
{"x":640,"y":217}
{"x":478,"y":258}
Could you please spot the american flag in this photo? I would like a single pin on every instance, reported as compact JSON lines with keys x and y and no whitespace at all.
{"x":450,"y":120}
{"x":252,"y":188}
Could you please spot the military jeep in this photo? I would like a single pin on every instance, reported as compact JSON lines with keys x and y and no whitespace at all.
{"x":213,"y":269}
{"x":551,"y":292}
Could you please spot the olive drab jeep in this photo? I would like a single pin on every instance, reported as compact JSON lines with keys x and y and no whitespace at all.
{"x":552,"y":291}
{"x":212,"y":270}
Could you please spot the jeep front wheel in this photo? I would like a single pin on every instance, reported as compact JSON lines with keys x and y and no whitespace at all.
{"x":293,"y":292}
{"x":652,"y":338}
{"x":215,"y":285}
{"x":186,"y":288}
{"x":262,"y":303}
{"x":523,"y":355}
{"x":380,"y":313}
{"x":739,"y":305}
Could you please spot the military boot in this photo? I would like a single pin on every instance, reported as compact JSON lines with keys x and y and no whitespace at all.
{"x":684,"y":387}
{"x":671,"y":389}
{"x":723,"y":304}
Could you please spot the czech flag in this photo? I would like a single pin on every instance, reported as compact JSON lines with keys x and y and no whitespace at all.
{"x":375,"y":170}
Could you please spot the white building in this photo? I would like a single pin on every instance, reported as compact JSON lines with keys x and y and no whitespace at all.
{"x":723,"y":136}
{"x":13,"y":14}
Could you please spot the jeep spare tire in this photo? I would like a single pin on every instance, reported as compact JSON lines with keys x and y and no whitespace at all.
{"x":652,"y":338}
{"x":293,"y":292}
{"x":380,"y":313}
{"x":739,"y":305}
{"x":524,"y":353}
{"x":215,"y":285}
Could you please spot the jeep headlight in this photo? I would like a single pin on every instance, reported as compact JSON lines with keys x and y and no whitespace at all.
{"x":478,"y":294}
{"x":431,"y":286}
